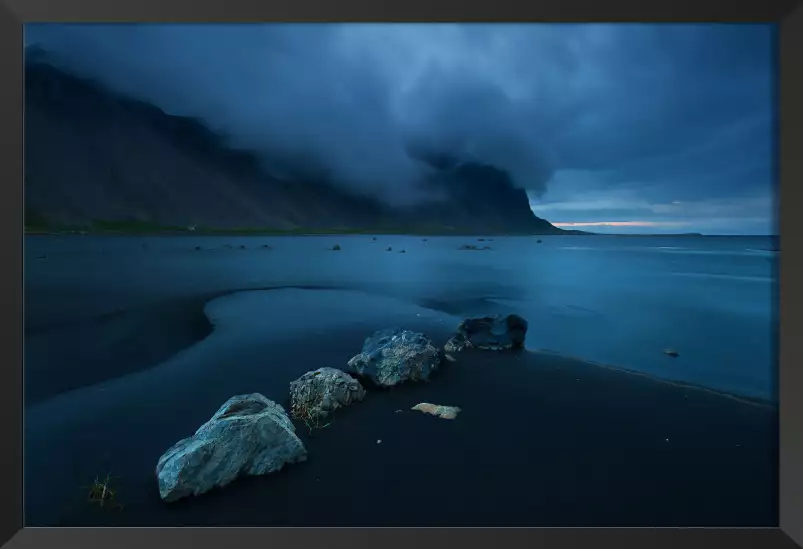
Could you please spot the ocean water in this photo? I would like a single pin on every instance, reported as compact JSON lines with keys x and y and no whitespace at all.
{"x":615,"y":300}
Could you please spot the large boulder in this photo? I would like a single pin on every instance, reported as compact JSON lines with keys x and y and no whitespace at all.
{"x":392,"y":356}
{"x":491,"y":333}
{"x":248,"y":435}
{"x":322,"y":391}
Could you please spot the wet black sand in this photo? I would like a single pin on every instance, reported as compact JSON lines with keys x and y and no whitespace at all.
{"x":109,"y":346}
{"x":542,"y":441}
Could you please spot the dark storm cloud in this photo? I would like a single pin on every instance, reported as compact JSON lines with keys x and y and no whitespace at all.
{"x":668,"y":113}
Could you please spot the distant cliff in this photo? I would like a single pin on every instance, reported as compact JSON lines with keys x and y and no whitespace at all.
{"x":95,"y":157}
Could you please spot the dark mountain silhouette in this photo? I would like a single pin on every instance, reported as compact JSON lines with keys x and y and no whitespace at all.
{"x":92,"y":154}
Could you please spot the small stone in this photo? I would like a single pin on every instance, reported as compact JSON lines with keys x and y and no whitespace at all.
{"x":449,"y":357}
{"x":492,"y":333}
{"x":379,"y":441}
{"x":671,"y":352}
{"x":443,"y":412}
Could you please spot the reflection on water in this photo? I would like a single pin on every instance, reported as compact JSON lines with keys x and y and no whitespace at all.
{"x":608,"y":299}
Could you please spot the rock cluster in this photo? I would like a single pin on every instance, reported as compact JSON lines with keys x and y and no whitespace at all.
{"x":491,"y":333}
{"x":252,"y":435}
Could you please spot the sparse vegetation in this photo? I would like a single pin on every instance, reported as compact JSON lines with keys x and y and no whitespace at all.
{"x":38,"y":224}
{"x":305,"y":409}
{"x":101,"y":493}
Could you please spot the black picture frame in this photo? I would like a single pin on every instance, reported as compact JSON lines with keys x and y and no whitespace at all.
{"x":787,"y":13}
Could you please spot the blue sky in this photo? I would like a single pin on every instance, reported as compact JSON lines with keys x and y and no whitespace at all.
{"x":610,"y":127}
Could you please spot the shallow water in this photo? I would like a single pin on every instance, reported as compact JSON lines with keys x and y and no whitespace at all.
{"x":614,"y":300}
{"x":101,"y":310}
{"x":542,"y":440}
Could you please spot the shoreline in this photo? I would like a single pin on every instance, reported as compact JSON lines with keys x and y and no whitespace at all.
{"x":545,"y":442}
{"x":279,"y":233}
{"x":744,"y":399}
{"x":190,"y":317}
{"x":543,"y":439}
{"x":235,"y":233}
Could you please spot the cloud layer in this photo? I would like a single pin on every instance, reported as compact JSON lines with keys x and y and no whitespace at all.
{"x":680,"y":113}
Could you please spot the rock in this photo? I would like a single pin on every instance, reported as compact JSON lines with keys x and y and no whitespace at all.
{"x":402,"y":252}
{"x":197,"y":248}
{"x":455,"y":345}
{"x":491,"y":333}
{"x":242,"y":246}
{"x":266,"y":247}
{"x":443,"y":412}
{"x":449,"y":357}
{"x":392,"y":356}
{"x":248,"y":435}
{"x":322,"y":391}
{"x":336,"y":248}
{"x":390,"y":249}
{"x":671,"y":352}
{"x":538,"y":241}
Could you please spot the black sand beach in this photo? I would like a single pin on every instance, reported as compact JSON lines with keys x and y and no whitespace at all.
{"x":542,"y":440}
{"x":132,"y":344}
